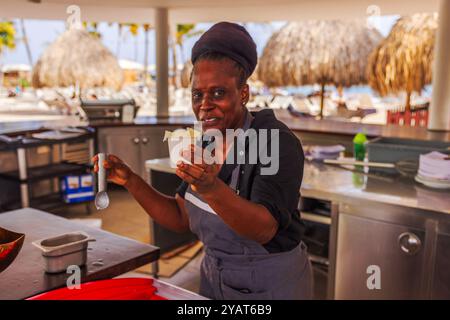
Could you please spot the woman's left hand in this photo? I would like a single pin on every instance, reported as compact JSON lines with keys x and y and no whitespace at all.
{"x":201,"y":176}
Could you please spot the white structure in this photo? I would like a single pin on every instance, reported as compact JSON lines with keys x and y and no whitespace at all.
{"x":440,"y":102}
{"x":16,"y":67}
{"x":161,"y":13}
{"x":130,"y":65}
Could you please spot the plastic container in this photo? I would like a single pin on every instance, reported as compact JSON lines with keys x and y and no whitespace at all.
{"x":64,"y":250}
{"x":392,"y":150}
{"x":114,"y":289}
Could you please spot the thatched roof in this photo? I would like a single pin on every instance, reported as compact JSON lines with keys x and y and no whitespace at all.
{"x":310,"y":52}
{"x":403,"y":61}
{"x":77,"y":57}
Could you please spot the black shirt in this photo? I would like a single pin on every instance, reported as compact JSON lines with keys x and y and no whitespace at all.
{"x":279,"y":192}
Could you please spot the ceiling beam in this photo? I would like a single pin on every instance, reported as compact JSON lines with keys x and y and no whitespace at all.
{"x":302,"y":10}
{"x":185,"y":11}
{"x":91,"y":13}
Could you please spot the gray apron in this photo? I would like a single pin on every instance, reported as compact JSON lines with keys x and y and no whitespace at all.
{"x":237,"y":268}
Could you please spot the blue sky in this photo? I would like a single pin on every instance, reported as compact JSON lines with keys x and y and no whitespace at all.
{"x":43,"y":32}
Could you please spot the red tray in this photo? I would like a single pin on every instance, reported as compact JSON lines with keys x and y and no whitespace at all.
{"x":114,"y":289}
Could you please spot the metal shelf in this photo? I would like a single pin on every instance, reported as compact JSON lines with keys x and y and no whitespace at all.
{"x":26,"y":175}
{"x":49,"y":171}
{"x":313,"y":217}
{"x":46,"y":203}
{"x":26,"y":141}
{"x":52,"y":201}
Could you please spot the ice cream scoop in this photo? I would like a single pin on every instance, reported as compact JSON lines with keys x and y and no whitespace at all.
{"x":101,"y":199}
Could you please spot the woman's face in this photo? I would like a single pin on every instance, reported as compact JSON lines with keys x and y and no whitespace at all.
{"x":216,"y":99}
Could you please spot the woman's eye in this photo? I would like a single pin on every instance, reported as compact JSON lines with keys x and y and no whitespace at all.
{"x":218,"y":93}
{"x":196,"y":96}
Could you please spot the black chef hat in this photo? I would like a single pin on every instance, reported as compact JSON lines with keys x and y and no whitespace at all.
{"x":231,"y":40}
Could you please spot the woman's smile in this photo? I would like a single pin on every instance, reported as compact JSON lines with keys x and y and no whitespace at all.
{"x":211,"y":123}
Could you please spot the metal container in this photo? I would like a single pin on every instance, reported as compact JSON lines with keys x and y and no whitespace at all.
{"x":109,"y":110}
{"x":64,"y":250}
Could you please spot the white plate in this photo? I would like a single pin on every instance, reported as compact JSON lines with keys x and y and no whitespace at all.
{"x":433,"y":184}
{"x":431,"y":179}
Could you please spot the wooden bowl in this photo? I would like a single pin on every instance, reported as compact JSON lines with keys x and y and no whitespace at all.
{"x":10,"y":245}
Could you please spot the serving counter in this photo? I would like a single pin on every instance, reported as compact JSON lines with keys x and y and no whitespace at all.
{"x":395,"y":224}
{"x":306,"y":125}
{"x":109,"y":256}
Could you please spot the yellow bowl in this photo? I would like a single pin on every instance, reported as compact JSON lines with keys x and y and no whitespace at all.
{"x":10,"y":245}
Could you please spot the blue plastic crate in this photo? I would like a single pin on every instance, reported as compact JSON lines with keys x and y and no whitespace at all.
{"x":77,"y":188}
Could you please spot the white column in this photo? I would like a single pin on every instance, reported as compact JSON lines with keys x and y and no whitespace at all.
{"x":439,"y":117}
{"x":162,"y":62}
{"x":23,"y":175}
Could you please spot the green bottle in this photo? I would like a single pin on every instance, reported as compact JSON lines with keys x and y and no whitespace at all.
{"x":359,"y":146}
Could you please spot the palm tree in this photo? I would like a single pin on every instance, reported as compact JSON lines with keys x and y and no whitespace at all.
{"x":25,"y":41}
{"x":147,"y":28}
{"x":92,"y":29}
{"x":7,"y":40}
{"x":7,"y":36}
{"x":119,"y":36}
{"x":134,"y":30}
{"x":183,"y":32}
{"x":174,"y":62}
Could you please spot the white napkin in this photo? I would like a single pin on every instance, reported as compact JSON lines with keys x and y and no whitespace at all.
{"x":178,"y":141}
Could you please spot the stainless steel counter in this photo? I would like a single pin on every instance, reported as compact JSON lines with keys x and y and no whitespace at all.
{"x":337,"y":184}
{"x":341,"y":185}
{"x":333,"y":128}
{"x":395,"y":225}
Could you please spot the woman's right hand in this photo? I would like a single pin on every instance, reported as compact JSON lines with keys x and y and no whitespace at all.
{"x":118,"y":171}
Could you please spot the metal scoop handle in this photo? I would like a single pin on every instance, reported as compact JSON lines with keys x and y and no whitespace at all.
{"x":101,"y":172}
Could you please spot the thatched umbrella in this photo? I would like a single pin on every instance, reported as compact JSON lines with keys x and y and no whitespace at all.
{"x":185,"y":75}
{"x":403,"y":61}
{"x":318,"y":52}
{"x":77,"y":58}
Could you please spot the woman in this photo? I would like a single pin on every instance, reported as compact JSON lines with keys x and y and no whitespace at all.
{"x":248,"y":221}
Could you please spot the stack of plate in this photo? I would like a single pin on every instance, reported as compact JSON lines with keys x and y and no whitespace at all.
{"x":434,"y":170}
{"x":326,"y":152}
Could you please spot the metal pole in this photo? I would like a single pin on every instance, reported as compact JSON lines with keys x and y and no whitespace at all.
{"x":439,"y":118}
{"x":162,"y":62}
{"x":322,"y":99}
{"x":22,"y":164}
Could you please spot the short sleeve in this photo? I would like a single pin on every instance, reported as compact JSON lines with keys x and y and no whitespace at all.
{"x":280,"y":192}
{"x":181,"y":190}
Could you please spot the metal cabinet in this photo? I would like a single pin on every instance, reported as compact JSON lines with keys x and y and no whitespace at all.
{"x":152,"y":145}
{"x":367,"y":246}
{"x":441,"y":272}
{"x":396,"y":243}
{"x":123,"y":143}
{"x":134,"y":145}
{"x":406,"y":249}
